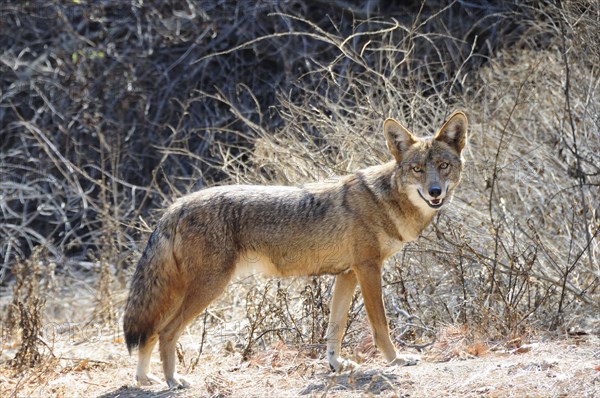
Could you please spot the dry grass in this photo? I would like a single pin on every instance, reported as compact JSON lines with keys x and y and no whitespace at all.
{"x":121,"y":107}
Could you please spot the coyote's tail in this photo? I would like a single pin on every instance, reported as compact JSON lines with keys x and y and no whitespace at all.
{"x":155,"y":286}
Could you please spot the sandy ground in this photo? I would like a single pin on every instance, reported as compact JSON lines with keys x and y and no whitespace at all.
{"x":567,"y":367}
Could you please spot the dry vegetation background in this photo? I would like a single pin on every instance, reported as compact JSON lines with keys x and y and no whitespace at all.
{"x":111,"y":109}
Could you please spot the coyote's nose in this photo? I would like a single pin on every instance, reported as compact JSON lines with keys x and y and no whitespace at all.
{"x":435,"y":191}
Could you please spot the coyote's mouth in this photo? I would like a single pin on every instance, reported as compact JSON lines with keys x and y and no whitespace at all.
{"x":434,"y":203}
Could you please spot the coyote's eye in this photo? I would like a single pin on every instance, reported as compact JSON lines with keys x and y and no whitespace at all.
{"x":444,"y":165}
{"x":417,"y":169}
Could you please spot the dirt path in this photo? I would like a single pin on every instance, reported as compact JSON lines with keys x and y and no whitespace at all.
{"x":558,"y":368}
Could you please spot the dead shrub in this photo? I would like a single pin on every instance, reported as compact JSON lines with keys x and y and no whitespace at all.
{"x":26,"y":314}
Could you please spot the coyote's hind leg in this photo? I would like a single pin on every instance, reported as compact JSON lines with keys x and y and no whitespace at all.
{"x":143,"y":375}
{"x":200,"y":293}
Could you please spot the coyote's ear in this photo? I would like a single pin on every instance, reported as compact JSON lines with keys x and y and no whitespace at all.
{"x":454,"y":131}
{"x":397,"y":138}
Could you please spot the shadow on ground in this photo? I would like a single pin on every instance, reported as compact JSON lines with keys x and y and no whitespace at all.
{"x":367,"y":382}
{"x":131,"y":392}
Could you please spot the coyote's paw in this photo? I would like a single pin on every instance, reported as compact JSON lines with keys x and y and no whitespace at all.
{"x":147,"y":380}
{"x":405,"y":360}
{"x":177,"y":382}
{"x":342,"y":365}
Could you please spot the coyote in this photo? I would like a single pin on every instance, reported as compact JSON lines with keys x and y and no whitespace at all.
{"x":346,"y":228}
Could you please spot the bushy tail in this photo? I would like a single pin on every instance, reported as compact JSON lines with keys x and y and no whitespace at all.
{"x":154,"y":288}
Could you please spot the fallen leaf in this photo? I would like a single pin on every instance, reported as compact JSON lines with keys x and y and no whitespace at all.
{"x":82,"y":365}
{"x":525,"y":348}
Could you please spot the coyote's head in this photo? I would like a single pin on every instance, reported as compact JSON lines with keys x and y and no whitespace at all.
{"x":428,"y":169}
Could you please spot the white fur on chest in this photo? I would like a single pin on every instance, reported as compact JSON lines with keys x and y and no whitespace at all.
{"x":409,"y":230}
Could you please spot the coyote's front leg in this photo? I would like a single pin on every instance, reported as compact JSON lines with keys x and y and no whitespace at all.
{"x":369,"y":280}
{"x":343,"y":290}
